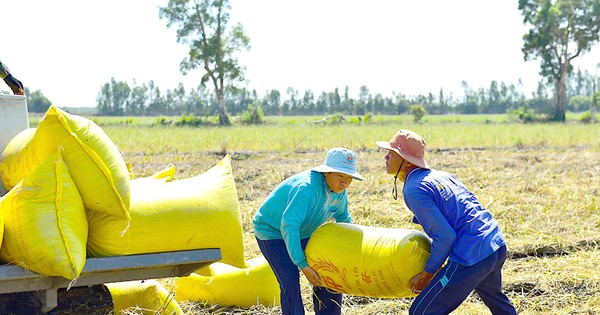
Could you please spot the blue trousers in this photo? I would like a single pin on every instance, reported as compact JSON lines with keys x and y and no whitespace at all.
{"x":453,"y":284}
{"x":326,"y":302}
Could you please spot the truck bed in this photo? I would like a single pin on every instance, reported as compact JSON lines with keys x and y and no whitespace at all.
{"x":100,"y":270}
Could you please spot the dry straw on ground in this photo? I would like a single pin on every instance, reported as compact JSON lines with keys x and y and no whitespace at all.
{"x":545,"y":195}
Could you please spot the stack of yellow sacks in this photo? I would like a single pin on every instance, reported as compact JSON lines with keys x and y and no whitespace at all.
{"x":54,"y":174}
{"x":71,"y":197}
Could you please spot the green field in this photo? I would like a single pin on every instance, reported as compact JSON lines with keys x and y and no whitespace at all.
{"x":283,"y":134}
{"x":541,"y":181}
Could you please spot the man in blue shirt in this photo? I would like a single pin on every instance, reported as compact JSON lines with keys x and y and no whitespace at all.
{"x":463,"y":232}
{"x":289,"y":216}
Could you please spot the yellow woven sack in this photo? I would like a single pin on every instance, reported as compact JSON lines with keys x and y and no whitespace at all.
{"x":95,"y":163}
{"x":10,"y":174}
{"x":45,"y":227}
{"x":143,"y":297}
{"x":367,"y":261}
{"x":231,"y":286}
{"x":191,"y":213}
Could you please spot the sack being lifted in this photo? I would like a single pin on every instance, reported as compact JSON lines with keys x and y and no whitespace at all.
{"x":367,"y":261}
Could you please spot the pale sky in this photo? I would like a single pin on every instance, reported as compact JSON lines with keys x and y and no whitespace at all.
{"x":69,"y":48}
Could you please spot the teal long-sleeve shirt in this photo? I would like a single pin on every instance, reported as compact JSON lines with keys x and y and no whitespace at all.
{"x":296,"y":208}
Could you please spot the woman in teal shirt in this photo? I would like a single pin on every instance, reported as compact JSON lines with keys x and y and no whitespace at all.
{"x":288,"y":217}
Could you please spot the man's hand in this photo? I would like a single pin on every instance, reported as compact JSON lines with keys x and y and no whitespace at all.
{"x":15,"y":85}
{"x":420,"y":281}
{"x":312,"y":276}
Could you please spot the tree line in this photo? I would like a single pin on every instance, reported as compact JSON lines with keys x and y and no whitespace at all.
{"x":118,"y":98}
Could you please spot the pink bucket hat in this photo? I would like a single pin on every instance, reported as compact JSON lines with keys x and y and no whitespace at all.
{"x":409,"y":145}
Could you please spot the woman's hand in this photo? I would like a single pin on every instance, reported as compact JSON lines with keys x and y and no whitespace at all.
{"x":420,"y":281}
{"x":312,"y":276}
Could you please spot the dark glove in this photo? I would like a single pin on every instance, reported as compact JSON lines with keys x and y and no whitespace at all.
{"x":15,"y":85}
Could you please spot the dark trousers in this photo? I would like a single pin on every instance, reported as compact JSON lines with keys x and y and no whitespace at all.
{"x":453,"y":284}
{"x":326,"y":302}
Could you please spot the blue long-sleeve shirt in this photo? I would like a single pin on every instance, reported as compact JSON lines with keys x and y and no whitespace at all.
{"x":296,"y":208}
{"x":461,"y":229}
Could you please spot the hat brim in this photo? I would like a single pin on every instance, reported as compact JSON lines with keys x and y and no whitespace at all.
{"x":420,"y":162}
{"x":326,"y":169}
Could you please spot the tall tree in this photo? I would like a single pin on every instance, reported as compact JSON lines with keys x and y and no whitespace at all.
{"x":37,"y":102}
{"x":112,"y":98}
{"x":138,"y":100}
{"x":308,"y":103}
{"x":156,"y":102}
{"x":443,"y":102}
{"x":561,"y":30}
{"x":202,"y":24}
{"x":292,"y":100}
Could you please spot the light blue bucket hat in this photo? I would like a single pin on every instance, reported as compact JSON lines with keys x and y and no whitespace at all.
{"x":340,"y":160}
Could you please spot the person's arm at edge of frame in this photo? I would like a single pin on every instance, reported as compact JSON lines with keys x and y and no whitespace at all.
{"x":15,"y":85}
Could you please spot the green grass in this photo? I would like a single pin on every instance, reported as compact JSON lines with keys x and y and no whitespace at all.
{"x":297,"y":133}
{"x":302,"y":137}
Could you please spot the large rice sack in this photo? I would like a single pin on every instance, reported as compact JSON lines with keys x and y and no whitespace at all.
{"x":143,"y":297}
{"x":367,"y":261}
{"x":231,"y":286}
{"x":95,"y":163}
{"x":192,"y":213}
{"x":45,"y":226}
